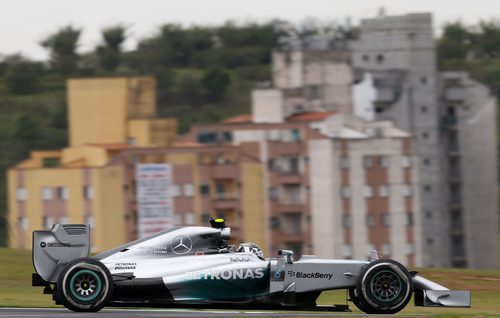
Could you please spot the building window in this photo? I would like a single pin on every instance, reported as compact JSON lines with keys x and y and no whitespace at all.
{"x":423,"y":109}
{"x":428,"y":214}
{"x":205,"y":217}
{"x":423,"y":80}
{"x":88,"y":192}
{"x":430,"y":241}
{"x":346,"y":221}
{"x":228,"y":136}
{"x":370,"y":220}
{"x":21,"y":194}
{"x":365,"y":58}
{"x":188,"y":190}
{"x":386,"y":219}
{"x":384,"y":161}
{"x":344,"y":162}
{"x":368,"y":191}
{"x":427,"y":162}
{"x":207,"y":138}
{"x":205,"y":189}
{"x":427,"y":188}
{"x":274,"y":222}
{"x":380,"y":58}
{"x":345,"y":192}
{"x":367,"y":162}
{"x":189,"y":218}
{"x":48,"y":222}
{"x":406,"y":161}
{"x":175,"y":190}
{"x":295,"y":134}
{"x":62,"y":193}
{"x":383,"y":191}
{"x":271,"y":165}
{"x":47,"y":193}
{"x":273,"y":194}
{"x":407,"y":190}
{"x":409,"y":219}
{"x":425,"y":135}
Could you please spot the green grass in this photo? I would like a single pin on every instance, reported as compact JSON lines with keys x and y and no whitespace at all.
{"x":16,"y":289}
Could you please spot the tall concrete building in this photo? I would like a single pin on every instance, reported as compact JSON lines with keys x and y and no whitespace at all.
{"x":453,"y":119}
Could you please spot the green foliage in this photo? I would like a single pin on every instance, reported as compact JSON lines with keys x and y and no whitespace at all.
{"x":62,"y":46}
{"x":21,"y":75}
{"x":109,"y":52}
{"x":216,"y":81}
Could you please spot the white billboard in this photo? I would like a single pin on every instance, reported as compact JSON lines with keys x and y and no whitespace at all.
{"x":154,"y":202}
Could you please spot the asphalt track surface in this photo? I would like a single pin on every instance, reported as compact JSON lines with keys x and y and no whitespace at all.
{"x":126,"y":313}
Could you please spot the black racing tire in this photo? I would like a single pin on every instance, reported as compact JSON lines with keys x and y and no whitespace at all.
{"x":85,"y":285}
{"x":383,"y":287}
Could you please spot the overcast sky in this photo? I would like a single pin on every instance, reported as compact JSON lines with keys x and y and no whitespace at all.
{"x":23,"y":23}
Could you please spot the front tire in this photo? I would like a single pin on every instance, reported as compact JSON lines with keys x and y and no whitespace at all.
{"x":85,"y":285}
{"x":384,"y":287}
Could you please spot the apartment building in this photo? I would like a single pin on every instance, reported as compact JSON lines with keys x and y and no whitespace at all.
{"x":453,"y":118}
{"x":335,"y":185}
{"x":103,"y":191}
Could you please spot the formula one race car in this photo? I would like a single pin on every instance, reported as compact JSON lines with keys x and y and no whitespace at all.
{"x":194,"y":267}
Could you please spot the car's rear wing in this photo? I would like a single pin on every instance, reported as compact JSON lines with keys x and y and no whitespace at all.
{"x":57,"y":246}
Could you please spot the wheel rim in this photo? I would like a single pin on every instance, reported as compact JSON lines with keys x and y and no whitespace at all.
{"x":85,"y":285}
{"x":386,"y":286}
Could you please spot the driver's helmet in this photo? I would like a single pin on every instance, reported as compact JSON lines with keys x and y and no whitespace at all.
{"x":250,"y":248}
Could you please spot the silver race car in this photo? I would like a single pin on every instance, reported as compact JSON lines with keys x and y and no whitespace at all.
{"x":194,"y":266}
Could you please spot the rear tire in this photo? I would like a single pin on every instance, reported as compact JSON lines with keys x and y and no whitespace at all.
{"x":85,"y":285}
{"x":384,"y":287}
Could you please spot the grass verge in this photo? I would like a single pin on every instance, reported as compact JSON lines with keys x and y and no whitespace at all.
{"x":16,"y":290}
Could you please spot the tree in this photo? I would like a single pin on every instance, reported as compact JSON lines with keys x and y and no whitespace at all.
{"x":21,"y":75}
{"x":216,"y":81}
{"x":109,"y":52}
{"x":455,"y":42}
{"x":489,"y":39}
{"x":62,"y":46}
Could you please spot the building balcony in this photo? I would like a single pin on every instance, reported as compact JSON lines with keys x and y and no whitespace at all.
{"x":289,"y":207}
{"x":289,"y":177}
{"x":226,"y":200}
{"x":225,"y":171}
{"x":277,"y":149}
{"x":454,"y":93}
{"x":291,"y":236}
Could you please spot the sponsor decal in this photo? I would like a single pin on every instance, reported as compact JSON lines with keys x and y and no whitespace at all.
{"x":154,"y":249}
{"x":44,"y":244}
{"x":125,"y":266}
{"x":310,"y":275}
{"x":240,"y":259}
{"x":199,"y":253}
{"x":182,"y":244}
{"x":226,"y":274}
{"x":278,"y":276}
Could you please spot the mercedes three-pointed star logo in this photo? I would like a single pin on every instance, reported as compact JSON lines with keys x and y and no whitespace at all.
{"x":182,"y":244}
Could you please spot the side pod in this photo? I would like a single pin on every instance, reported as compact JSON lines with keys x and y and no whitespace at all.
{"x":430,"y":294}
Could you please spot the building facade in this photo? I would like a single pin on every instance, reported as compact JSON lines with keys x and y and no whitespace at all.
{"x":453,"y":119}
{"x":335,"y":185}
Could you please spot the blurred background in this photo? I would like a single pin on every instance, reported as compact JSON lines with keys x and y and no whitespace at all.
{"x":321,"y":127}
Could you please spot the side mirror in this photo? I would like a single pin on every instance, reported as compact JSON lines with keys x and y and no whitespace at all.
{"x":288,"y":255}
